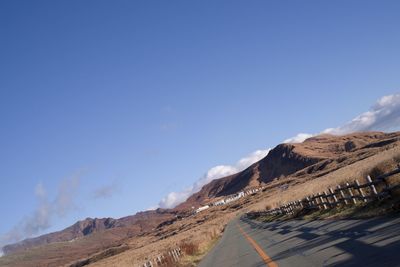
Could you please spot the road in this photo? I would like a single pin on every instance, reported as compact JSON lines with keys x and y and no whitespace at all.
{"x":298,"y":243}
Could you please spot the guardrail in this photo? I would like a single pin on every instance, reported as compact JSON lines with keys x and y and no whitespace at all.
{"x":348,"y":194}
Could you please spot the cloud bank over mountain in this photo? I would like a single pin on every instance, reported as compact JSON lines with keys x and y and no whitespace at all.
{"x":383,"y":116}
{"x":298,"y":138}
{"x":175,"y":198}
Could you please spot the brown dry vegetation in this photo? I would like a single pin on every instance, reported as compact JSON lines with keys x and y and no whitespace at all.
{"x":196,"y":234}
{"x":321,"y":162}
{"x":377,"y":164}
{"x":278,"y":192}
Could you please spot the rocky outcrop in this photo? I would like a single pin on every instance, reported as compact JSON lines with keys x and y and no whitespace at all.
{"x":137,"y":224}
{"x":284,"y":160}
{"x":313,"y":155}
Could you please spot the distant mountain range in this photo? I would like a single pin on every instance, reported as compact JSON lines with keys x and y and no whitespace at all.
{"x":314,"y":157}
{"x":118,"y":229}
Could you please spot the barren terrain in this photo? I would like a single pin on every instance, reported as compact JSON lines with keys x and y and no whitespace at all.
{"x":289,"y":172}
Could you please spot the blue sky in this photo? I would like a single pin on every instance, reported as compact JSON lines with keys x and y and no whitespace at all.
{"x":108,"y":106}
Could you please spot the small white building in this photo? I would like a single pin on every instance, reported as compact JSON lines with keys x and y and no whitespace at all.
{"x":219,"y":203}
{"x":202,"y":208}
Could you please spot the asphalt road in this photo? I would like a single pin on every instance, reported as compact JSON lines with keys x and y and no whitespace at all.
{"x":372,"y":242}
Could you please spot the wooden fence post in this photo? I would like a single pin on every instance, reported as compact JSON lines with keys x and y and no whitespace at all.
{"x":372,"y":186}
{"x":176,"y":256}
{"x":171,"y":256}
{"x":342,"y":195}
{"x":351,"y":193}
{"x":308,"y":202}
{"x":316,"y":201}
{"x":327,"y":199}
{"x":300,"y":204}
{"x":323,"y":201}
{"x":333,"y":196}
{"x":361,"y":191}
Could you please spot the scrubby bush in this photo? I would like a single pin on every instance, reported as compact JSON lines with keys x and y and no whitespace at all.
{"x":189,"y":248}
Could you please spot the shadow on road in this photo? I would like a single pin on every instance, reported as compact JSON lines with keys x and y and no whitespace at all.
{"x":372,"y":242}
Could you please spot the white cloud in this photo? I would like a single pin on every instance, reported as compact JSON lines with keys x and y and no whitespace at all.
{"x":251,"y":158}
{"x":383,"y":116}
{"x":299,"y":138}
{"x":152,"y":208}
{"x":45,"y":211}
{"x":175,"y":198}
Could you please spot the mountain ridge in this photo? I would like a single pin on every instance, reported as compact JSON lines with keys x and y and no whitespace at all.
{"x":287,"y":159}
{"x":319,"y":154}
{"x":137,"y":224}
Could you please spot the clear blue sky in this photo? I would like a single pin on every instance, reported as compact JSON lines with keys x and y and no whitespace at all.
{"x":148,"y":95}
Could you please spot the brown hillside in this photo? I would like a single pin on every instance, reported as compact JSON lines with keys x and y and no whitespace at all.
{"x":317,"y":162}
{"x":133,"y":225}
{"x":286,"y":159}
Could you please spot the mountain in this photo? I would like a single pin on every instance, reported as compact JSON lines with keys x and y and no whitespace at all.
{"x":316,"y":153}
{"x":136,"y":224}
{"x":315,"y":157}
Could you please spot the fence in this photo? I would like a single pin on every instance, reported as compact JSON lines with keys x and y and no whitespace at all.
{"x":233,"y":197}
{"x":348,"y":194}
{"x":166,"y":259}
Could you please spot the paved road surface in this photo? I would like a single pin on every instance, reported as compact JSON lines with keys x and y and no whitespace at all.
{"x":372,"y":242}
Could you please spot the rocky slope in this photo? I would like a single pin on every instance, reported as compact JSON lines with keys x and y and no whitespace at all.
{"x":136,"y":224}
{"x":313,"y":158}
{"x":313,"y":155}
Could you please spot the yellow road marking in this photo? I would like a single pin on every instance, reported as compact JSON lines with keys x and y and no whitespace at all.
{"x":268,"y":261}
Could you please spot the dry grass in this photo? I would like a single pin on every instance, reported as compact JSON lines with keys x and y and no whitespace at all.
{"x":374,"y":166}
{"x":197,"y":235}
{"x":192,"y":259}
{"x":189,"y":248}
{"x":382,"y":162}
